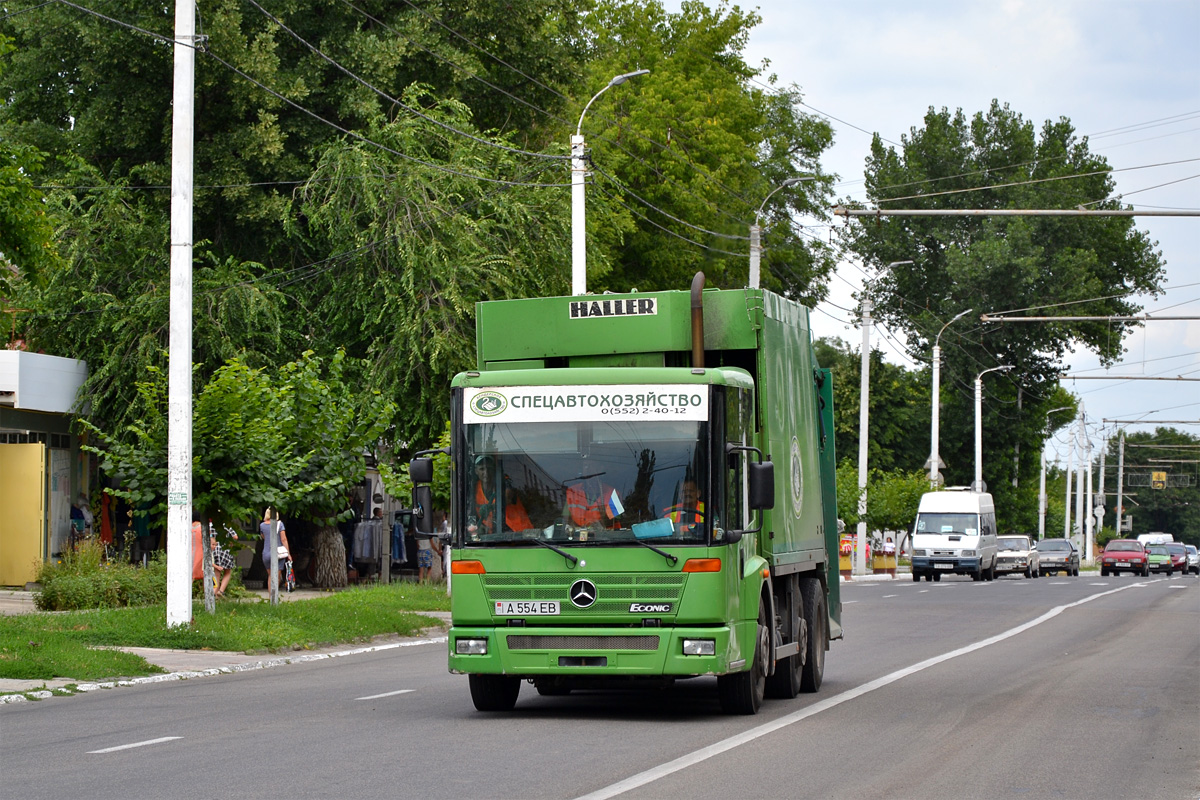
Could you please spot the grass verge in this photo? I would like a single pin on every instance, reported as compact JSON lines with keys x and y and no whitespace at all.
{"x":44,"y":646}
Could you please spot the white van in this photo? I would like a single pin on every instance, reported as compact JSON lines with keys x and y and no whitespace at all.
{"x":955,"y":532}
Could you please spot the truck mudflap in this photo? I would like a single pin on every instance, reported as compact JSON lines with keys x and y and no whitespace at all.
{"x":598,"y":651}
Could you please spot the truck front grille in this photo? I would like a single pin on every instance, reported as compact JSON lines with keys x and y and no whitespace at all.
{"x":523,"y":642}
{"x":614,"y":592}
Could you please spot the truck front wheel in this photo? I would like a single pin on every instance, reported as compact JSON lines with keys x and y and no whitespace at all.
{"x":494,"y":692}
{"x":742,"y":692}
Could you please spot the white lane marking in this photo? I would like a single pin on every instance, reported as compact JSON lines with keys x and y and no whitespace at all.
{"x":385,"y":694}
{"x":1097,"y":584}
{"x":135,"y":744}
{"x":849,"y":602}
{"x":1177,"y":587}
{"x":923,"y":591}
{"x":705,"y":753}
{"x":886,"y":596}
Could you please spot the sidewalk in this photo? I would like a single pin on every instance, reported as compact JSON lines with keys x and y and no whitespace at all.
{"x":185,"y":664}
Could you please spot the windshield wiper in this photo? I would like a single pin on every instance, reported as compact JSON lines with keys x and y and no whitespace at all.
{"x":558,"y":550}
{"x":670,"y":558}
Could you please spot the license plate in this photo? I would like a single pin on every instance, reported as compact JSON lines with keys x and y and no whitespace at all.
{"x":943,"y":566}
{"x":1122,"y":563}
{"x":526,"y":608}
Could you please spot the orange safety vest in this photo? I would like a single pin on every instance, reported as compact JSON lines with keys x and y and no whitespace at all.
{"x":515,"y":517}
{"x":584,"y":511}
{"x":676,"y":515}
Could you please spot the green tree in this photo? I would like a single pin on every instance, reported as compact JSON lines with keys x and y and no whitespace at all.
{"x":108,"y":300}
{"x":26,"y":228}
{"x":892,"y":497}
{"x":297,"y":442}
{"x":268,"y":85}
{"x":421,"y":242}
{"x":1092,"y":266}
{"x":694,"y":148}
{"x":1173,"y":509}
{"x":898,"y":408}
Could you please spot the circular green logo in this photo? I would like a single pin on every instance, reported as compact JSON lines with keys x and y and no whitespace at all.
{"x":797,"y":478}
{"x":488,"y":404}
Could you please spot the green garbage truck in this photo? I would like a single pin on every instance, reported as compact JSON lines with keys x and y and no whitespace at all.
{"x":643,"y":492}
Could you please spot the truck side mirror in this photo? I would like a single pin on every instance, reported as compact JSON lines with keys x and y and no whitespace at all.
{"x":423,"y":509}
{"x":762,"y":485}
{"x":421,"y":470}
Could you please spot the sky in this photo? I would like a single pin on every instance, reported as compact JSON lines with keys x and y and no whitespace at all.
{"x":1125,"y":72}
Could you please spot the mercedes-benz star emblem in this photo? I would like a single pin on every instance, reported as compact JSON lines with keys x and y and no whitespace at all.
{"x":583,"y":593}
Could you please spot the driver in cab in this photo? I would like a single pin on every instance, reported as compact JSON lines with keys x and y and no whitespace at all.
{"x":688,"y":511}
{"x":483,"y":521}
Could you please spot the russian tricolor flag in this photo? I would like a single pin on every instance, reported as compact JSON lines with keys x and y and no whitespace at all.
{"x":612,"y":506}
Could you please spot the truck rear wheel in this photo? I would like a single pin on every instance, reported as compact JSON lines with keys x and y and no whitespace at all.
{"x":494,"y":692}
{"x":816,"y":614}
{"x":742,"y":692}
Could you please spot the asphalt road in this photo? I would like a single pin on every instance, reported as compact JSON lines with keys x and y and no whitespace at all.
{"x":1057,"y":687}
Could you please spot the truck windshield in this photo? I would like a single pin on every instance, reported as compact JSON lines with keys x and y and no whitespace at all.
{"x":588,"y":482}
{"x":962,"y":524}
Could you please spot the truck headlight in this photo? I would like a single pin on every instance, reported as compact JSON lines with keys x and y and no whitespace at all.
{"x":919,"y":552}
{"x":470,"y":647}
{"x":967,"y":553}
{"x":699,"y":647}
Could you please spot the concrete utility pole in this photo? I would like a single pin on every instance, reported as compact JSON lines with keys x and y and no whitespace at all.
{"x":1120,"y":481}
{"x":935,"y":459}
{"x":1042,"y":481}
{"x":756,"y":231}
{"x":578,"y":175}
{"x":1103,"y":500}
{"x":1080,"y":523}
{"x":978,"y":485}
{"x":864,"y":388}
{"x":1070,"y":473}
{"x":179,"y":368}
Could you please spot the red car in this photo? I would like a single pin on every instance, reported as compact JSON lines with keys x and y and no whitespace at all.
{"x":1178,"y":556}
{"x":1124,"y":555}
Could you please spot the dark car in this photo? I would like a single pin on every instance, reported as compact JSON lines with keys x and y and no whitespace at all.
{"x":1058,"y":555}
{"x":1178,"y":555}
{"x":1124,"y":555}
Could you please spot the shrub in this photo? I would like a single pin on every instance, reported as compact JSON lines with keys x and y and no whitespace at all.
{"x":84,"y":579}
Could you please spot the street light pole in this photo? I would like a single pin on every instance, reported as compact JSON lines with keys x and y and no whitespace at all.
{"x":978,"y":486}
{"x":756,"y":230}
{"x":578,"y":174}
{"x":1042,"y":482}
{"x":935,"y":460}
{"x":860,"y":542}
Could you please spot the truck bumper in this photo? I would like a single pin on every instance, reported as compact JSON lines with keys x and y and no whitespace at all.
{"x":599,"y":651}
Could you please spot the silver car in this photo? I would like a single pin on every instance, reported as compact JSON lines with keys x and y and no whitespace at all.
{"x":1017,"y":554}
{"x":1193,"y":561}
{"x":1058,"y":555}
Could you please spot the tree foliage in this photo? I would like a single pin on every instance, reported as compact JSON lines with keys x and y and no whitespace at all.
{"x":898,"y":408}
{"x":1174,"y":509}
{"x":693,"y":150}
{"x":1055,"y":265}
{"x":297,"y":442}
{"x":892,"y":497}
